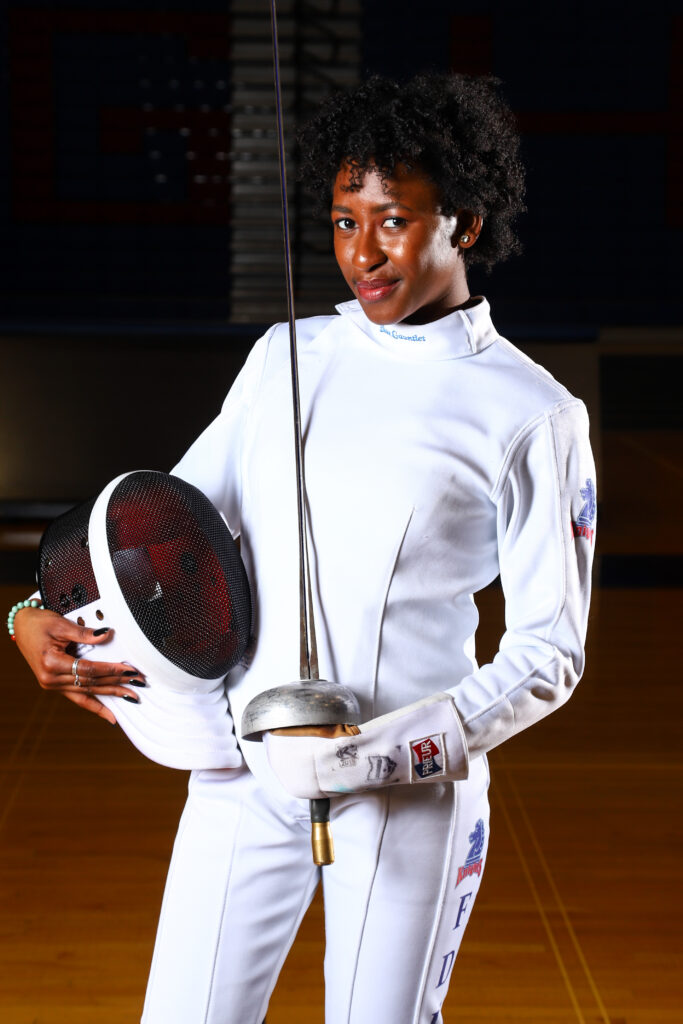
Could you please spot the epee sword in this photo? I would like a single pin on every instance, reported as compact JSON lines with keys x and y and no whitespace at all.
{"x":312,"y":702}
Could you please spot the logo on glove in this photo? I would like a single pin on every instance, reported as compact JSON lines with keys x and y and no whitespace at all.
{"x":428,"y":757}
{"x":347,"y":754}
{"x":381,"y":767}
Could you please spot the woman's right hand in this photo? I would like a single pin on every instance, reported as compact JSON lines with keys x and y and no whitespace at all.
{"x":45,"y":638}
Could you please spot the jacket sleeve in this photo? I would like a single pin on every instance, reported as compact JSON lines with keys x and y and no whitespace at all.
{"x":545,"y":498}
{"x":214,"y":462}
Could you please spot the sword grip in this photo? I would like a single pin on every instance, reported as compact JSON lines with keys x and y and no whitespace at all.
{"x":321,"y":833}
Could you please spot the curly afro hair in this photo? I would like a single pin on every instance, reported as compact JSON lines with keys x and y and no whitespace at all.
{"x":454,"y":128}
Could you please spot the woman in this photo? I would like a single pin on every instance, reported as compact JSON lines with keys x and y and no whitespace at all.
{"x":437,"y":456}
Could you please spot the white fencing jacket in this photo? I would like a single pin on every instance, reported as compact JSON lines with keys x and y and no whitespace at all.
{"x":437,"y":456}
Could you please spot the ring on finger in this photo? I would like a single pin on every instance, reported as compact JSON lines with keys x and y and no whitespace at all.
{"x":74,"y":668}
{"x":77,"y":681}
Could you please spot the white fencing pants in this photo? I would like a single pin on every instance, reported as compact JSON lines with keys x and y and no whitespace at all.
{"x":408,"y":865}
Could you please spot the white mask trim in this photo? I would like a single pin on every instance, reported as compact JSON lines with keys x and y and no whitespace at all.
{"x":117,"y":612}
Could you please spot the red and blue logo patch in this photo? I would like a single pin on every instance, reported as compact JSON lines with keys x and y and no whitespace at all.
{"x":427,"y":755}
{"x":583,"y":526}
{"x":475,"y":858}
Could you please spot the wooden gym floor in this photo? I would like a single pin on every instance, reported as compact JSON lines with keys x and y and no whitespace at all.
{"x":578,"y":918}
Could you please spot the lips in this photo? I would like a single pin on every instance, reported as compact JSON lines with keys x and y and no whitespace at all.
{"x":376,"y":288}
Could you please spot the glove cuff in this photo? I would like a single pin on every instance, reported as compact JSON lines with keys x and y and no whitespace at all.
{"x":422,"y":742}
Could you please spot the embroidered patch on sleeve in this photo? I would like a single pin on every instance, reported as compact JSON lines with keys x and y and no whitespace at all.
{"x":583,"y":525}
{"x":427,"y":757}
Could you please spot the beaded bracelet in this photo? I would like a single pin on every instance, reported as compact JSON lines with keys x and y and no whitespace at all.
{"x":34,"y":603}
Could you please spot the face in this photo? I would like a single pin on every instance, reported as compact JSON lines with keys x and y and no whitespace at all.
{"x":398,"y":253}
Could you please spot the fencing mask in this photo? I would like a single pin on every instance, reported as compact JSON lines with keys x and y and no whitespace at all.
{"x":152,"y":558}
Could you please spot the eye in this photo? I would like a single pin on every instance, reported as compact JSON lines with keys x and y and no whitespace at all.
{"x":344,"y":223}
{"x":394,"y":222}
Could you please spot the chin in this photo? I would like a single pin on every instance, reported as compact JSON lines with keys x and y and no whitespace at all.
{"x":376,"y":316}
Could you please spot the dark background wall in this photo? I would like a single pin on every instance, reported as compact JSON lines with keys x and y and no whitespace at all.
{"x":115,"y":130}
{"x":114,"y":191}
{"x":598,"y":92}
{"x":115,"y":118}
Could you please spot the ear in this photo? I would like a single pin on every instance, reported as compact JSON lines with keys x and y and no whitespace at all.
{"x":468,"y":228}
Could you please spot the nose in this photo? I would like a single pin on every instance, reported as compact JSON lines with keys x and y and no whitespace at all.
{"x":368,"y":252}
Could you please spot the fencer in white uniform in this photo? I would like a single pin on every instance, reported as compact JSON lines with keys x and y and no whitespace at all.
{"x":437,"y":457}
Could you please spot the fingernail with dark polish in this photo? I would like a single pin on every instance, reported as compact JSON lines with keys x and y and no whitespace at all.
{"x":100,"y":632}
{"x":133,"y":673}
{"x":132,"y":700}
{"x":135,"y":682}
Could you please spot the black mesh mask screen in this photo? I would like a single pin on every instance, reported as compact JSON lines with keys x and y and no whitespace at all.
{"x":65,"y":574}
{"x":180,"y":572}
{"x":177,"y":566}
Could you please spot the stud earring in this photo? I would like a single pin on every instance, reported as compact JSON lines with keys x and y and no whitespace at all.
{"x":464,"y":239}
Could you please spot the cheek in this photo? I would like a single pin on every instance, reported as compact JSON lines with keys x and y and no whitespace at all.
{"x":424,"y":255}
{"x":444,"y":254}
{"x":419,"y":265}
{"x":436,"y":269}
{"x":341,"y":255}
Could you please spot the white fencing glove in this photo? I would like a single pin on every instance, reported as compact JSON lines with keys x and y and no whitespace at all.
{"x":422,"y":742}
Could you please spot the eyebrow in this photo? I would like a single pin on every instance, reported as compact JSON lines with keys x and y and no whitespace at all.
{"x":375,"y":209}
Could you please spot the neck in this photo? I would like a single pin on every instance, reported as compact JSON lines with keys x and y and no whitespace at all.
{"x":430,"y":314}
{"x":457,"y":297}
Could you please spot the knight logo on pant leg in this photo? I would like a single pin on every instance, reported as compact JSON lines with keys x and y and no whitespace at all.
{"x":474,"y":860}
{"x":427,"y":756}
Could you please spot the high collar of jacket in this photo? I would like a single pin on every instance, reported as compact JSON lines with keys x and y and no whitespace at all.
{"x":461,"y":333}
